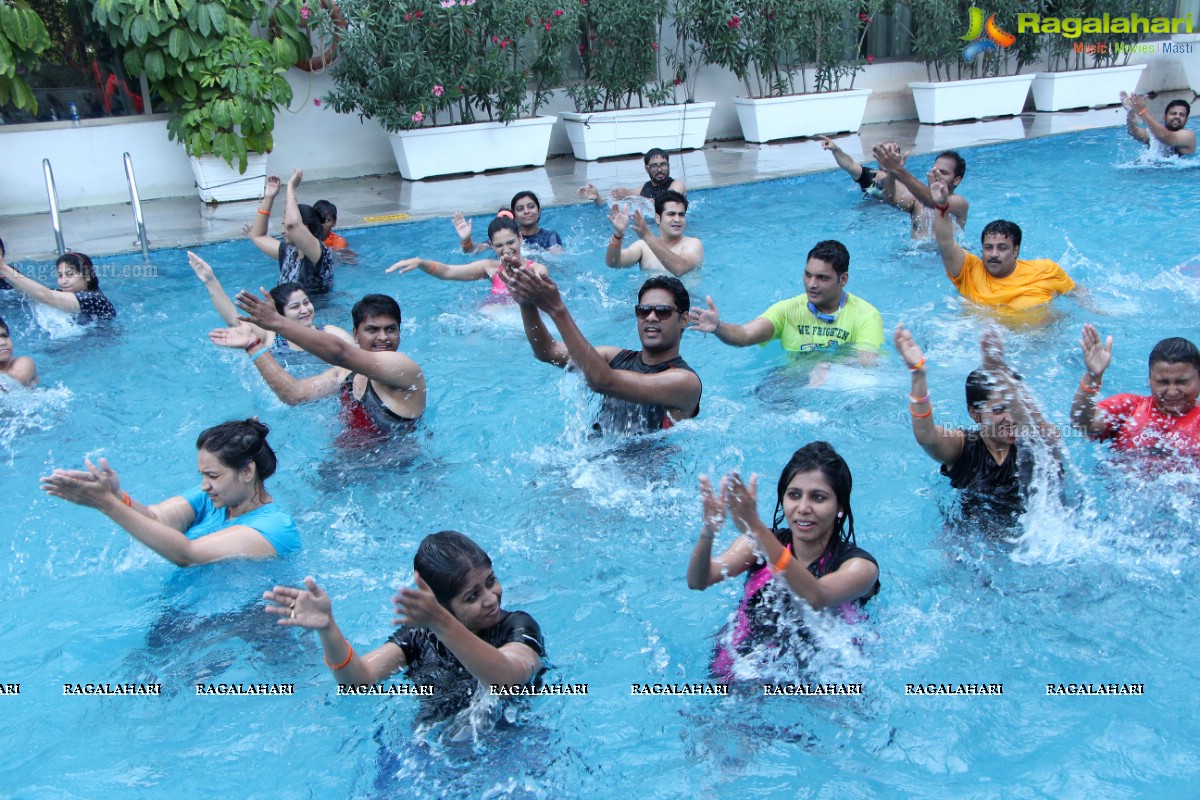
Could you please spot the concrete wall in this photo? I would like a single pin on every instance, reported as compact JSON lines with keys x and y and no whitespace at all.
{"x":89,"y":171}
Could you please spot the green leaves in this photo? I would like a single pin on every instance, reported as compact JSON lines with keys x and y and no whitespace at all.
{"x":23,"y":37}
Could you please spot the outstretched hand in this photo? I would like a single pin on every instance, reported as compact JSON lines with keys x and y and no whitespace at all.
{"x":742,"y":501}
{"x":940,"y":193}
{"x":259,"y":310}
{"x":705,"y":320}
{"x":640,"y":225}
{"x":531,"y":288}
{"x":462,"y":225}
{"x":618,"y":215}
{"x":907,"y":347}
{"x":1096,"y":356}
{"x":238,"y":337}
{"x":203,"y":271}
{"x":829,"y":144}
{"x":406,"y":265}
{"x":889,"y":156}
{"x":94,"y":488}
{"x":307,"y":608}
{"x":294,"y":181}
{"x":272,"y":187}
{"x":589,"y":192}
{"x":418,"y":607}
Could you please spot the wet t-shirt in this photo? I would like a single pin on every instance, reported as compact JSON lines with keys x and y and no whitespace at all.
{"x":93,"y":306}
{"x":294,"y":267}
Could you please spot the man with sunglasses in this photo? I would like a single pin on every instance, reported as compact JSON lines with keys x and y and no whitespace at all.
{"x":993,"y":465}
{"x":826,"y":317}
{"x":644,"y":390}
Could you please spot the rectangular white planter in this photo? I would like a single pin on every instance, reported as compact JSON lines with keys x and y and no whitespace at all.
{"x":636,"y":130}
{"x":769,"y":118}
{"x":1084,"y":88}
{"x":480,"y":146}
{"x":218,"y":182}
{"x":947,"y":101}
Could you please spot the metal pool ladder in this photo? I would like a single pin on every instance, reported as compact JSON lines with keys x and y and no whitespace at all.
{"x":136,"y":202}
{"x":52,"y":195}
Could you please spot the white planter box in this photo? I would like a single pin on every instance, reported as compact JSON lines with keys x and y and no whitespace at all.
{"x":1084,"y":88}
{"x":218,"y":182}
{"x":480,"y":146}
{"x":771,"y":118}
{"x":636,"y":130}
{"x":977,"y":98}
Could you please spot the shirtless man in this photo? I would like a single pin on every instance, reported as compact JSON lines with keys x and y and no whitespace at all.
{"x":644,"y":390}
{"x":1171,"y":132}
{"x":671,"y":250}
{"x":902,"y":189}
{"x":382,"y":390}
{"x":658,"y":167}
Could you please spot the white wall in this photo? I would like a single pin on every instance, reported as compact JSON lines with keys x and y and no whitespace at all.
{"x":88,"y":168}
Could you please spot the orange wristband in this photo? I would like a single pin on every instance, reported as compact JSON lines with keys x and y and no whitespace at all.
{"x":926,"y":415}
{"x":1083,"y":387}
{"x":264,"y":213}
{"x":344,"y":663}
{"x":126,"y":499}
{"x":780,"y":565}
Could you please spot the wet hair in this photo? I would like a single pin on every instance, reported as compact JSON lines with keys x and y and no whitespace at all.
{"x":1187,"y":108}
{"x":1175,"y":350}
{"x":3,"y":252}
{"x":4,"y":325}
{"x":311,"y":220}
{"x":519,"y":195}
{"x":669,"y":196}
{"x":81,"y":264}
{"x":980,"y":386}
{"x":503,"y":224}
{"x":673,"y":285}
{"x":960,"y":163}
{"x":832,"y":252}
{"x":655,"y":151}
{"x":240,"y":442}
{"x":283,"y":292}
{"x":1002,"y":227}
{"x":821,"y":457}
{"x":375,"y":305}
{"x":445,"y":559}
{"x":326,"y":210}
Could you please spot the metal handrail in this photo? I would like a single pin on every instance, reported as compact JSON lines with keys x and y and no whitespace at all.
{"x":52,"y":196}
{"x":139,"y":223}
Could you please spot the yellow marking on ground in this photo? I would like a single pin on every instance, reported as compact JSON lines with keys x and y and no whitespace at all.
{"x":386,"y":218}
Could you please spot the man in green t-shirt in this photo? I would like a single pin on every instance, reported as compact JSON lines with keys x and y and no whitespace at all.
{"x":825,"y":318}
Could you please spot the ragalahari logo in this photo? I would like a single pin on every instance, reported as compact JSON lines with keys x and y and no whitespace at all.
{"x":983,"y":36}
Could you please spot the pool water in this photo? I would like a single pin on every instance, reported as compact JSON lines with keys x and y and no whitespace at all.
{"x":592,"y":537}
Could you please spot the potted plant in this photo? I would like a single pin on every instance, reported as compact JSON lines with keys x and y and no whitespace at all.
{"x":221,"y":81}
{"x":23,"y":37}
{"x":622,"y":103}
{"x":972,"y":75}
{"x":797,"y":61}
{"x":457,"y":84}
{"x":1088,"y":69}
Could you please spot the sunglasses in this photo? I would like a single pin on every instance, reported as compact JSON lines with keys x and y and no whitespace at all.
{"x":662,"y":312}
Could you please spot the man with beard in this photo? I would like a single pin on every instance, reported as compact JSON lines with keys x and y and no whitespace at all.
{"x":644,"y":391}
{"x":1171,"y":132}
{"x":658,"y":169}
{"x":999,"y":278}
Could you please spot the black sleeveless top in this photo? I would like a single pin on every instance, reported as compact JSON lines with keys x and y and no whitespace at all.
{"x":649,"y":189}
{"x":625,"y":416}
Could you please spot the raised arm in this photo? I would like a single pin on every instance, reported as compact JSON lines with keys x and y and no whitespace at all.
{"x":545,"y":347}
{"x":1025,"y":411}
{"x":216,"y":294}
{"x":843,"y":160}
{"x":511,"y":663}
{"x":299,"y":234}
{"x":64,"y":301}
{"x":891,"y":159}
{"x":756,"y":331}
{"x":953,"y":256}
{"x":1183,"y":140}
{"x":690,"y":254}
{"x":96,"y":491}
{"x":288,"y":389}
{"x":1097,"y":356}
{"x":943,"y":446}
{"x":463,"y":227}
{"x":259,"y":234}
{"x":311,"y":608}
{"x":703,"y":569}
{"x":917,"y":189}
{"x":849,"y":582}
{"x":1131,"y":120}
{"x":476,"y":270}
{"x":615,"y":255}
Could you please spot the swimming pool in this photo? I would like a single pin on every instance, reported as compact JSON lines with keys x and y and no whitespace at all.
{"x":593,"y":538}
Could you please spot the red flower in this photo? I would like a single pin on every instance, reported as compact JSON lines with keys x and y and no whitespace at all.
{"x":418,"y":15}
{"x":870,"y":59}
{"x":547,"y":26}
{"x":864,"y":18}
{"x":734,"y":22}
{"x":495,"y":40}
{"x":677,"y":81}
{"x":558,"y":12}
{"x":408,"y":17}
{"x":317,"y":101}
{"x":654,"y":46}
{"x":583,"y":49}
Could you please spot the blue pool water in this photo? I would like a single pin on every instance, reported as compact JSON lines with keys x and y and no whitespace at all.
{"x":593,"y":537}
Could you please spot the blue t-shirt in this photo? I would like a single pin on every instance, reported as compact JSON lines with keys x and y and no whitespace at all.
{"x":543,"y":239}
{"x":269,"y":520}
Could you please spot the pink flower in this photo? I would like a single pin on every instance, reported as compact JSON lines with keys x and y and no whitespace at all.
{"x":558,"y":12}
{"x":317,"y":102}
{"x":654,"y":46}
{"x":503,"y":43}
{"x":864,"y":18}
{"x":734,"y":22}
{"x":870,"y":59}
{"x":677,"y":81}
{"x":495,"y":40}
{"x":447,"y":4}
{"x":408,"y":17}
{"x":437,"y":90}
{"x":418,"y":117}
{"x":419,"y":14}
{"x":466,"y":2}
{"x":547,"y":26}
{"x":305,"y":11}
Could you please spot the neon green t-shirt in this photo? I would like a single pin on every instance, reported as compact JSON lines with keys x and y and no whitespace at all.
{"x":856,"y":324}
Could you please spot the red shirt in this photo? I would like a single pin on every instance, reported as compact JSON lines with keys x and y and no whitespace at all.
{"x":334,"y":242}
{"x":1135,"y":423}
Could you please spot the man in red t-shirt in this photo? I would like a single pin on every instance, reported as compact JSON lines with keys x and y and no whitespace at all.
{"x":1167,"y":421}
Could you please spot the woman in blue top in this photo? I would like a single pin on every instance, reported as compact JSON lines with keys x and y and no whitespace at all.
{"x":229,"y":516}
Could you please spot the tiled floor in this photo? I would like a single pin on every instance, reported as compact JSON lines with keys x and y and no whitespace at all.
{"x":179,"y":222}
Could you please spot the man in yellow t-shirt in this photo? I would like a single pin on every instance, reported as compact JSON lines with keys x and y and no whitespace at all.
{"x":826,"y":317}
{"x":999,"y":278}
